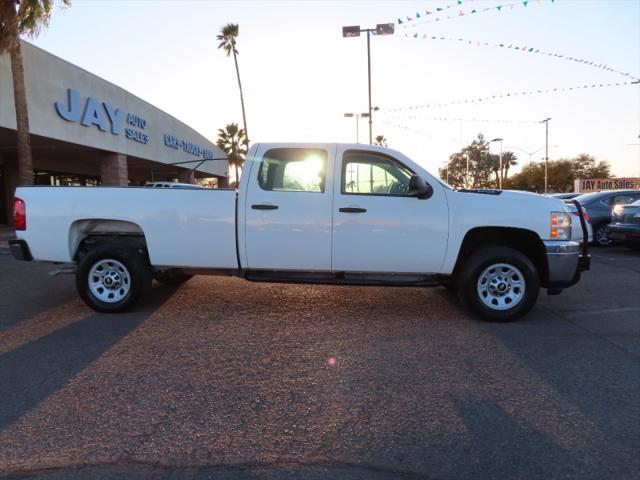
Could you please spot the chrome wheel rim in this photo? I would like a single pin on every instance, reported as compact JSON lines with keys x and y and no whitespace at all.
{"x":602,"y":236}
{"x":109,"y":280}
{"x":501,"y":286}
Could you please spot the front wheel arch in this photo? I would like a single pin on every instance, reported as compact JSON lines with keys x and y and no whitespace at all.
{"x":525,"y":241}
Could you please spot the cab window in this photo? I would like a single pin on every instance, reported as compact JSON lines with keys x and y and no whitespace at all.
{"x":368,"y":173}
{"x":293,"y":170}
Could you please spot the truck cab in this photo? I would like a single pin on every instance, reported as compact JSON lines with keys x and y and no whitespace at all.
{"x":340,"y":208}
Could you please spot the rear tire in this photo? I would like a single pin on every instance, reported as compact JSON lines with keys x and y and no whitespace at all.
{"x":112,"y":276}
{"x":499,"y":284}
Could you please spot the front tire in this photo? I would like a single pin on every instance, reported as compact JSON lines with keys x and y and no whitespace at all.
{"x":499,"y":284}
{"x":111,"y":277}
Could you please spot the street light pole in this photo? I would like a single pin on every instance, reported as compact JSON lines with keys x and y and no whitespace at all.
{"x":546,"y":154}
{"x":467,"y":179}
{"x":354,"y":31}
{"x":500,"y":177}
{"x":369,"y":77}
{"x":500,"y":164}
{"x":357,"y":116}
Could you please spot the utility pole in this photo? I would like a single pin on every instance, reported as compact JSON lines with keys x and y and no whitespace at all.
{"x":546,"y":154}
{"x":354,"y":31}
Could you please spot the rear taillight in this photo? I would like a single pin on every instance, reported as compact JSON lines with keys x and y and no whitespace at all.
{"x":19,"y":214}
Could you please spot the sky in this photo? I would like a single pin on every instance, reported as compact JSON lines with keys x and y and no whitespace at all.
{"x":300,"y":75}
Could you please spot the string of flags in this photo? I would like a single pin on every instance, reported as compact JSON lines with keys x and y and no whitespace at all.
{"x":525,"y":49}
{"x":508,"y":95}
{"x":431,"y":16}
{"x":433,"y":11}
{"x":460,"y":119}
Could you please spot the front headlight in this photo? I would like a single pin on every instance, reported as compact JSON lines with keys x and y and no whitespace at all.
{"x":560,"y":226}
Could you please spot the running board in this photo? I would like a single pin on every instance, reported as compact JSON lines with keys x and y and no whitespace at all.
{"x":342,"y":278}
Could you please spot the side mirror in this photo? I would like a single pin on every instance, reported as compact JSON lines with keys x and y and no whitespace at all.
{"x":419,"y":188}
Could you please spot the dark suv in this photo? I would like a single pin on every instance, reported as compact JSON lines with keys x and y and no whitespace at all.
{"x":599,"y":206}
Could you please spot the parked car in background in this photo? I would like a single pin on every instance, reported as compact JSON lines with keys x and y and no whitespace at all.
{"x":564,"y":196}
{"x":172,"y":185}
{"x":599,"y":205}
{"x":625,"y":224}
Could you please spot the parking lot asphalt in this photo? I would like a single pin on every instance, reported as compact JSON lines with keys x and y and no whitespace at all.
{"x":226,"y":379}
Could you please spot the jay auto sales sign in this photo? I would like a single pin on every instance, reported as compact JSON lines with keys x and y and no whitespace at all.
{"x":586,"y":185}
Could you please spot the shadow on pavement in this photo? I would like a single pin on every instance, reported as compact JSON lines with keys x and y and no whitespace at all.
{"x":500,"y":447}
{"x":27,"y":290}
{"x":33,"y":372}
{"x":597,"y":381}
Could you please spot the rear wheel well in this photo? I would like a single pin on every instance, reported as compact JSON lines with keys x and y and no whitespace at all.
{"x":87,"y":233}
{"x":525,"y":241}
{"x":91,"y":241}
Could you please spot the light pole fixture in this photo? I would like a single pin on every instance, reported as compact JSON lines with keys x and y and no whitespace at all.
{"x":355,"y":31}
{"x":357,"y":116}
{"x":531,"y":154}
{"x":546,"y":153}
{"x":500,"y":164}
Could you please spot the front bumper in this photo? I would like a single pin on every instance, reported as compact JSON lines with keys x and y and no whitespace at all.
{"x":565,"y":261}
{"x":20,"y":250}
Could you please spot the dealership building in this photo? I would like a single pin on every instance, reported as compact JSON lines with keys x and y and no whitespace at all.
{"x":87,"y":131}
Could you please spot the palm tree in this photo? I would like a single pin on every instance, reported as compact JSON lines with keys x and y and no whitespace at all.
{"x":509,"y":159}
{"x":380,"y":140}
{"x":233,"y":141}
{"x":18,"y":18}
{"x":227,"y":39}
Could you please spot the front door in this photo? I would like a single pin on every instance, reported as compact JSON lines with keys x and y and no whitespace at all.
{"x":378,"y":225}
{"x":288,"y":209}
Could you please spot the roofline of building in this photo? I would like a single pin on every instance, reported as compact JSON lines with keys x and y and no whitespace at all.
{"x":116,"y":86}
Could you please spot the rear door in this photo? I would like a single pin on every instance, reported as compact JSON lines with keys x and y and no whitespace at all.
{"x":288,"y":208}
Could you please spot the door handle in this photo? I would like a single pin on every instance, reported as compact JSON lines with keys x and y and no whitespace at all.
{"x":353,"y":210}
{"x":264,"y":206}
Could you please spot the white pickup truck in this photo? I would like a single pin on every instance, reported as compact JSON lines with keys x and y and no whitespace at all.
{"x":346,"y":214}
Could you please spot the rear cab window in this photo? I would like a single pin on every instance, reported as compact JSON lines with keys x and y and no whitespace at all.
{"x":294,"y":170}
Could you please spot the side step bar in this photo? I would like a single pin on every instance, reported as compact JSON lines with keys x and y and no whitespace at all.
{"x":341,"y":278}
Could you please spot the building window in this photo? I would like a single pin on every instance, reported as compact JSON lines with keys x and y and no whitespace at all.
{"x":58,"y":179}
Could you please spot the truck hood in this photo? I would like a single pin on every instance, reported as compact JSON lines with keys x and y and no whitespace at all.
{"x":505,"y":197}
{"x":507,"y":208}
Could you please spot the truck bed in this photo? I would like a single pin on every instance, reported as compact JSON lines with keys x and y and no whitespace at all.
{"x":183,"y":227}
